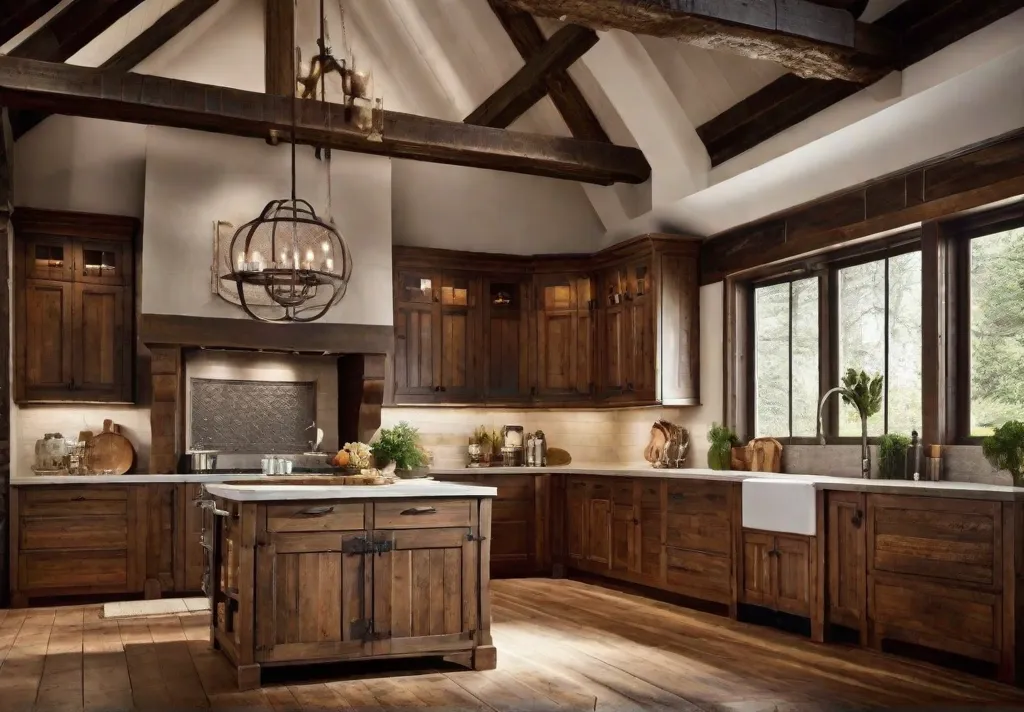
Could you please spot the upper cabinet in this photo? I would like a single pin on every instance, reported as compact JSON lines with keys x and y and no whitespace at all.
{"x":620,"y":327}
{"x":74,"y":305}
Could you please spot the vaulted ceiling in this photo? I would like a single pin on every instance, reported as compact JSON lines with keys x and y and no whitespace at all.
{"x":688,"y":107}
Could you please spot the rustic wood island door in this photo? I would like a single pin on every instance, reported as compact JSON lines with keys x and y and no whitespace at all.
{"x":312,"y":597}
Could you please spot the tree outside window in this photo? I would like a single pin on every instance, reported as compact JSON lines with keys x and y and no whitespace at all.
{"x":786,"y":359}
{"x":997,"y":330}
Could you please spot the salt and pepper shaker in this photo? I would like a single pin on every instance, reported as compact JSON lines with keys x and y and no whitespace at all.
{"x":540,"y":449}
{"x":915,"y":454}
{"x":531,"y":454}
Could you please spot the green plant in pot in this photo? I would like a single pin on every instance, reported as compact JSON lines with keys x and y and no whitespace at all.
{"x":399,"y":445}
{"x":1004,"y":449}
{"x":892,"y":456}
{"x":723,"y":439}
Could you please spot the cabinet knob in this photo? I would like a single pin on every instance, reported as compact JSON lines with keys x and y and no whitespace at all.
{"x":857,"y":519}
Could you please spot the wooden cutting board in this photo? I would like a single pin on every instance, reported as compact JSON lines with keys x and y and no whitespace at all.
{"x":110,"y":451}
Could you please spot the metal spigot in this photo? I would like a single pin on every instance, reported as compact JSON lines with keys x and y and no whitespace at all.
{"x":865,"y":454}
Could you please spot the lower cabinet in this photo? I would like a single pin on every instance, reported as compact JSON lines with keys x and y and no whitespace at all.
{"x":778,"y":572}
{"x":676,"y":535}
{"x":846,"y":556}
{"x":105,"y":539}
{"x":520,"y":522}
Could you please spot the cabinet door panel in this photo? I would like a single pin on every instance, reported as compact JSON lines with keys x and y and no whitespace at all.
{"x":565,"y":338}
{"x":616,"y":346}
{"x":557,"y":353}
{"x":847,"y":565}
{"x":460,"y":351}
{"x":99,"y":262}
{"x":189,"y":557}
{"x":698,"y":574}
{"x":49,"y":258}
{"x":47,"y":339}
{"x":792,"y":575}
{"x":99,"y":343}
{"x":425,"y":592}
{"x":506,"y":335}
{"x":599,"y":544}
{"x":302,"y":616}
{"x":651,"y":518}
{"x":576,"y":499}
{"x":757,"y":569}
{"x":416,"y":361}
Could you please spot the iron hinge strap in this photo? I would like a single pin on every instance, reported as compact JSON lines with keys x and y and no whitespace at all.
{"x":470,"y":536}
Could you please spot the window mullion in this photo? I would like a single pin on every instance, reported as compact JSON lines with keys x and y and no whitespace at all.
{"x":790,"y":359}
{"x":885,"y":363}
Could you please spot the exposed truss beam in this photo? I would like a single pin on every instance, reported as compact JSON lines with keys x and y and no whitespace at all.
{"x":280,"y":47}
{"x":73,"y":28}
{"x":168,"y":25}
{"x":526,"y":35}
{"x":143,"y":99}
{"x":128,"y":57}
{"x":529,"y":84}
{"x":16,"y":15}
{"x":923,"y":26}
{"x":811,"y":40}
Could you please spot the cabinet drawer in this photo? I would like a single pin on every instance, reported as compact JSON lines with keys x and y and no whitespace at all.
{"x":95,"y":570}
{"x":512,"y":511}
{"x":702,"y":575}
{"x":689,"y":496}
{"x":105,"y":532}
{"x":958,"y":540}
{"x":622,"y":492}
{"x":701,"y":531}
{"x":73,"y":501}
{"x":422,"y":513}
{"x":936,"y":615}
{"x":314,"y":517}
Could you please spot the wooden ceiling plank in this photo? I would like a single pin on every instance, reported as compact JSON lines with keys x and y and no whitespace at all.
{"x":138,"y":98}
{"x":812,"y":40}
{"x":168,"y":25}
{"x":923,"y":27}
{"x":528,"y":39}
{"x":527,"y":86}
{"x":16,"y":15}
{"x":72,"y":28}
{"x":280,"y":47}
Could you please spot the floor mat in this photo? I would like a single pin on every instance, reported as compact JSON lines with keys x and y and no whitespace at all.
{"x":160,"y":607}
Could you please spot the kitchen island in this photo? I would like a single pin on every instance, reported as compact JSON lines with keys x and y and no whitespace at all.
{"x":311,"y":574}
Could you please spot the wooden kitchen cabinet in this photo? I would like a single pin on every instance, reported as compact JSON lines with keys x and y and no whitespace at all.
{"x":846,"y":557}
{"x":72,"y":541}
{"x":520,"y":521}
{"x":565,"y":338}
{"x":700,"y":519}
{"x":778,"y":572}
{"x":74,"y":307}
{"x":619,"y":327}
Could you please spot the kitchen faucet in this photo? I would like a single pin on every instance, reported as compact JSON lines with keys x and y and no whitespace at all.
{"x":865,"y":454}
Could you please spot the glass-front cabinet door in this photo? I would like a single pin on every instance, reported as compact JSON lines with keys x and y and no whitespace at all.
{"x":98,"y":262}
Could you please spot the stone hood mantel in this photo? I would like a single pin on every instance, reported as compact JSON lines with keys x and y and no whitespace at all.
{"x":362,"y":380}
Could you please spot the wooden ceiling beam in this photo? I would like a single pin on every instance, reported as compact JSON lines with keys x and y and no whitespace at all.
{"x":132,"y":54}
{"x":143,"y":99}
{"x":280,"y":47}
{"x":962,"y":180}
{"x":812,"y":40}
{"x":73,"y":28}
{"x":529,"y":85}
{"x":528,"y":39}
{"x":923,"y":26}
{"x":16,"y":15}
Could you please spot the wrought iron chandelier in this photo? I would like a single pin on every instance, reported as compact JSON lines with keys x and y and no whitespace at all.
{"x":288,"y":264}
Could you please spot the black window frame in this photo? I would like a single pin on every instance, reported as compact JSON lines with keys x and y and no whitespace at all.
{"x":961,"y":232}
{"x":826,"y":267}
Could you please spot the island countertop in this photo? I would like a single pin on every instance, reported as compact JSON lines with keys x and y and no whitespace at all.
{"x":412,"y":489}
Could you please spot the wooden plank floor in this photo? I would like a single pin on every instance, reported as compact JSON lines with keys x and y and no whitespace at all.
{"x":562,"y":646}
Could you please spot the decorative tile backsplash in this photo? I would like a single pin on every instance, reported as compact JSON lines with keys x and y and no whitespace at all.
{"x":235,"y":416}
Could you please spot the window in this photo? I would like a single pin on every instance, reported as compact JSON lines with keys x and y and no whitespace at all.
{"x":879,"y":331}
{"x":786,"y":358}
{"x":996,"y":353}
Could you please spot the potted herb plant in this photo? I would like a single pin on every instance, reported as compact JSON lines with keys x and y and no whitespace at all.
{"x":892,"y":456}
{"x":723,"y":439}
{"x":399,"y":446}
{"x":1004,"y":449}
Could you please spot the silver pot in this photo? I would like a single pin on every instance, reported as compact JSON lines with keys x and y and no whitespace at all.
{"x":202,"y":460}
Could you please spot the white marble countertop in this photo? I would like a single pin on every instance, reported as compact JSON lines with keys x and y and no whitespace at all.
{"x":943,"y":488}
{"x":411,"y":489}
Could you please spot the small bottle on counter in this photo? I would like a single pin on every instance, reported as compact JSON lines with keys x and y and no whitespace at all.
{"x":530,"y":452}
{"x":540,"y":448}
{"x":933,"y":463}
{"x":915,"y":454}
